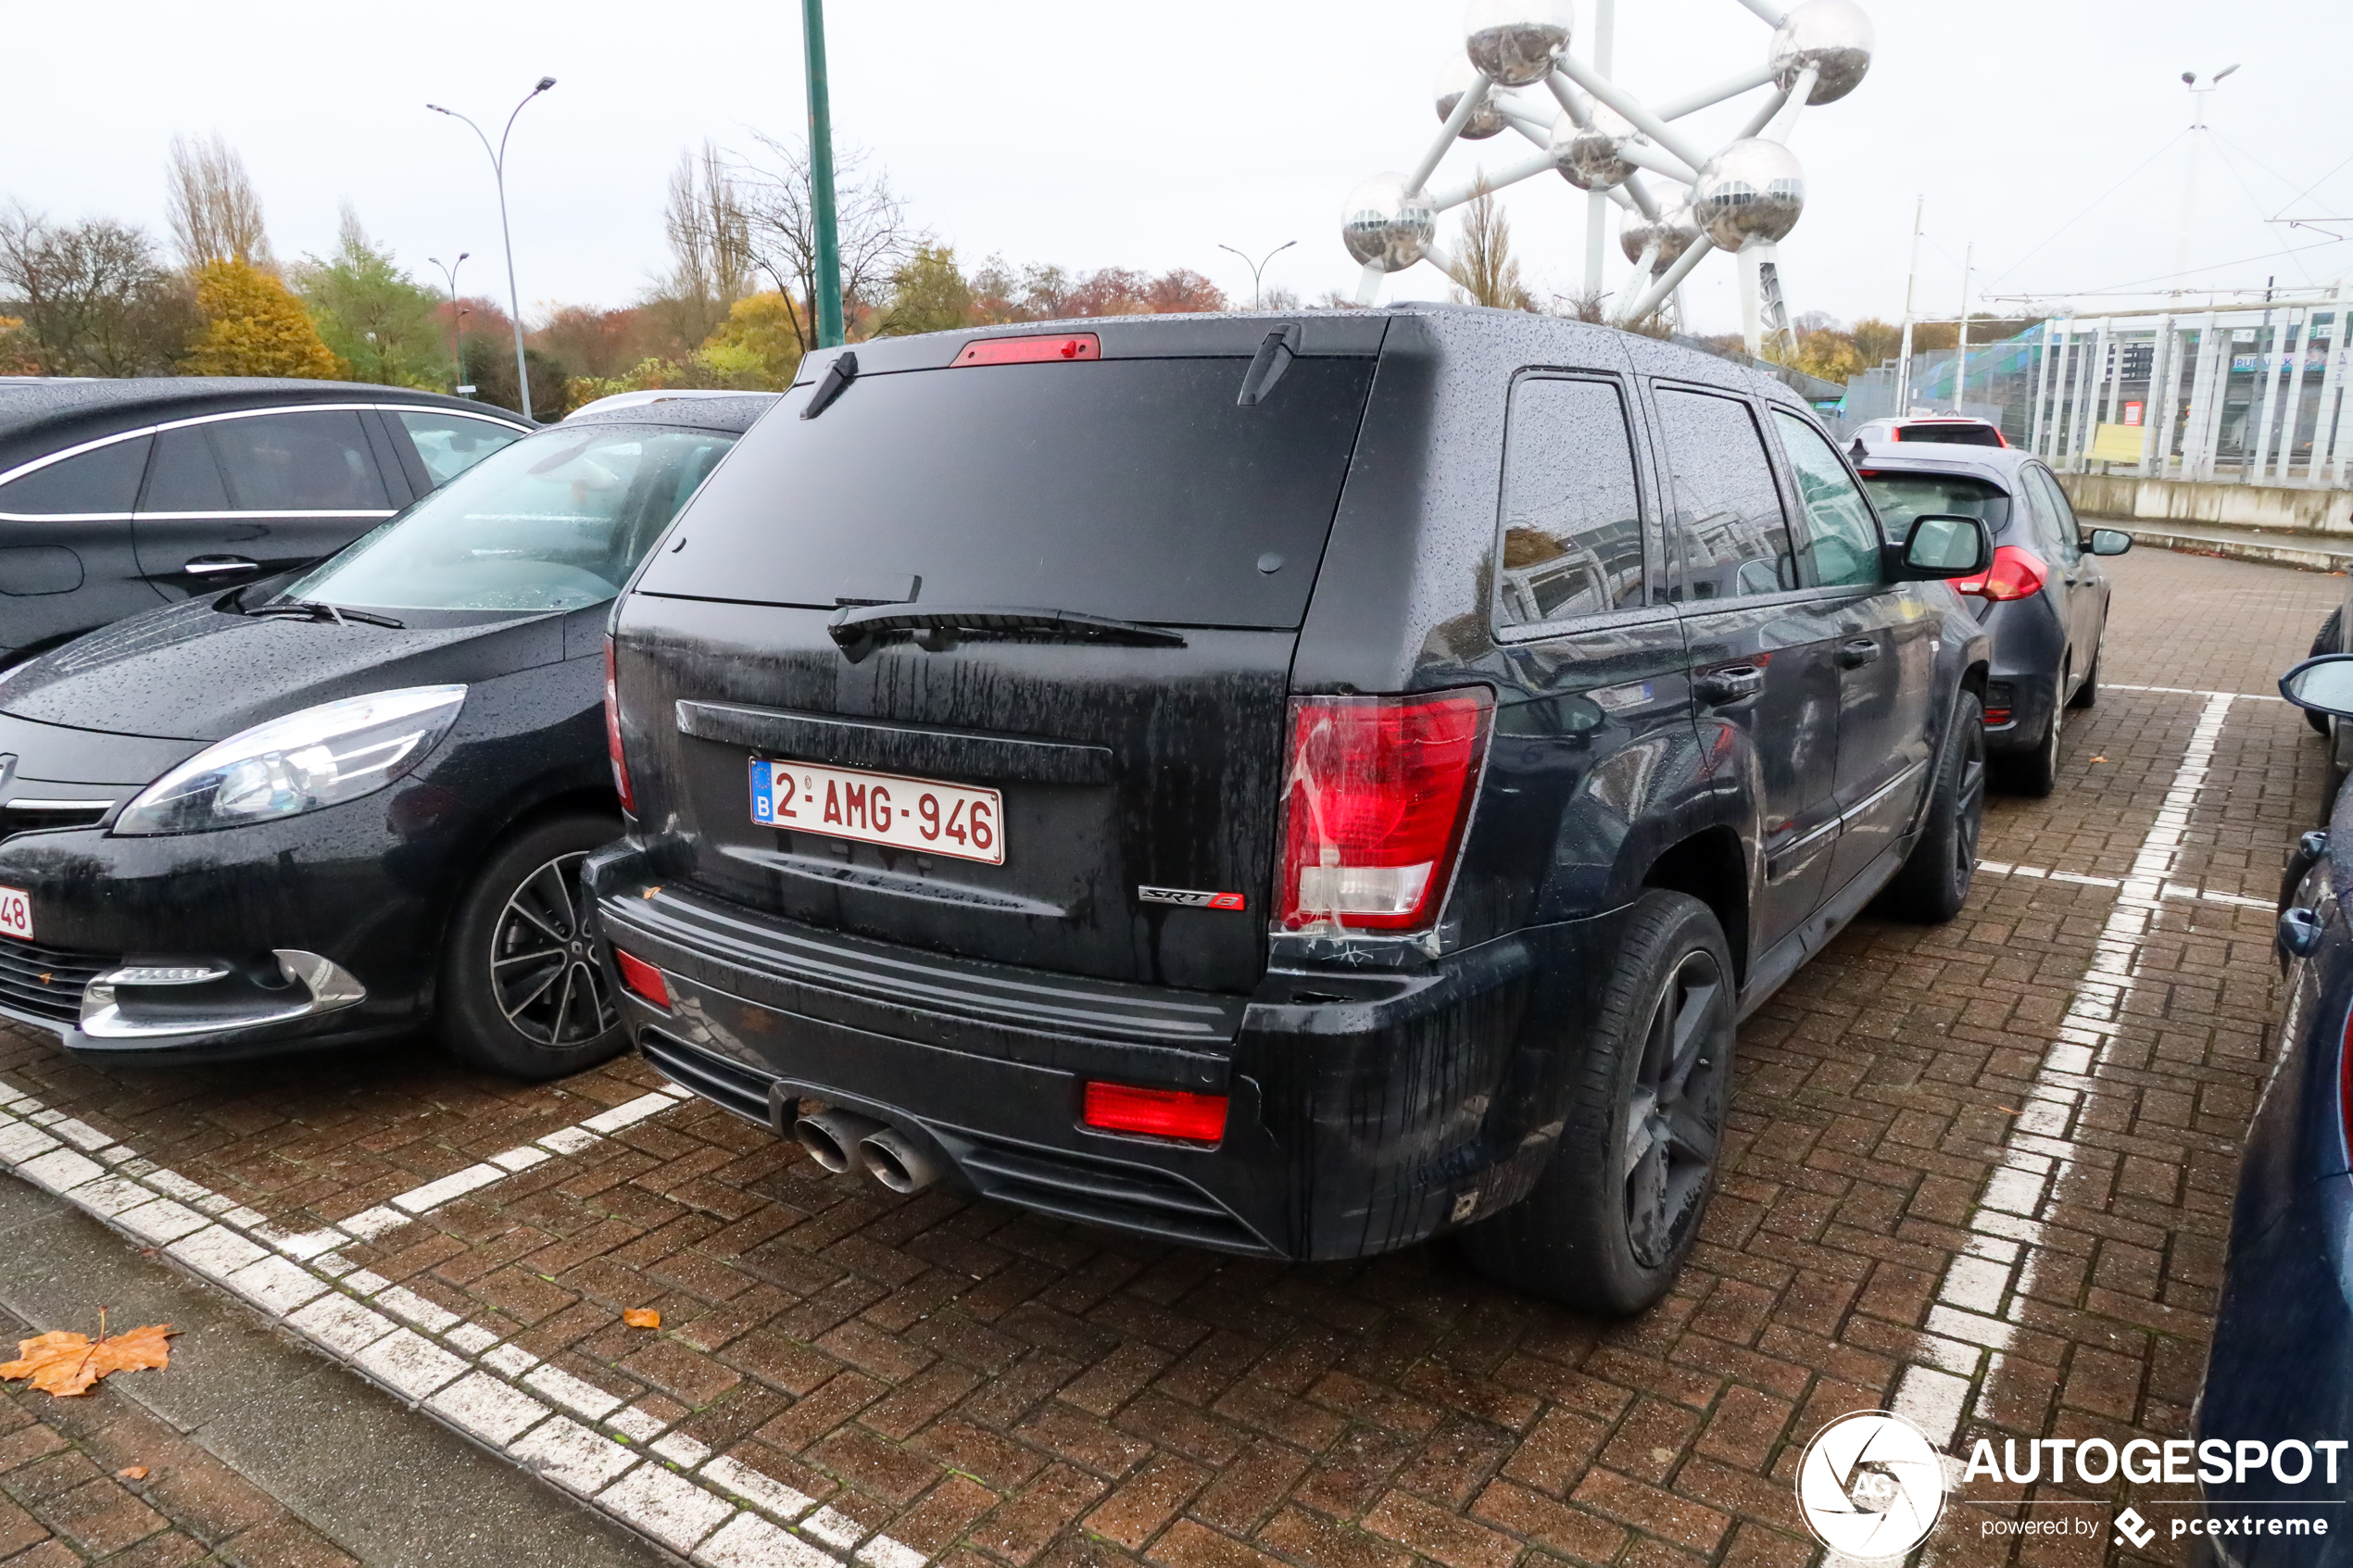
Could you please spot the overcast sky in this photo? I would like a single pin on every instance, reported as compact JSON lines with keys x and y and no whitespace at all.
{"x":1094,"y":134}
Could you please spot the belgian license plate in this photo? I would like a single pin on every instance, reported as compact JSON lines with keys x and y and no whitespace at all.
{"x":918,"y":814}
{"x":15,"y":913}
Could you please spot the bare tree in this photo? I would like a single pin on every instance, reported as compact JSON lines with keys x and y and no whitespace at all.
{"x":1484,"y":266}
{"x":875,"y":238}
{"x":216,"y":216}
{"x":710,"y":232}
{"x":93,"y":298}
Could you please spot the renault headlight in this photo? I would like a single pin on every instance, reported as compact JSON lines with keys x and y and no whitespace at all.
{"x":322,"y":756}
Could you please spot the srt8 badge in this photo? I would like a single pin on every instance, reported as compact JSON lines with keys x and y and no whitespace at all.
{"x":1187,"y":898}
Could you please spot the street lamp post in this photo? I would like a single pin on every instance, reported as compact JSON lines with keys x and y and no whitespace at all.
{"x":457,"y":359}
{"x":1258,"y":267}
{"x":498,"y":169}
{"x":821,"y":176}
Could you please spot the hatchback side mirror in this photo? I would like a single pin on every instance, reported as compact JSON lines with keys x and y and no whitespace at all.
{"x":2110,"y":541}
{"x":2323,"y":685}
{"x":1947,"y":544}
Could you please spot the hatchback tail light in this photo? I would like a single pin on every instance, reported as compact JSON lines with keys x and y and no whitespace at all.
{"x":612,"y":735}
{"x":2017,"y":573}
{"x":1378,"y":792}
{"x":1159,"y":1113}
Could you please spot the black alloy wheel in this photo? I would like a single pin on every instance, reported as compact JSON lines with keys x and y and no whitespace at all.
{"x":1616,"y":1209}
{"x":523,"y":991}
{"x":2036,"y":772}
{"x":543,"y":959}
{"x":1677,"y":1112}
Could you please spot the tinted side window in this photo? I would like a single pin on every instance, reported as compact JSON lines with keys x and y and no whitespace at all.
{"x":2061,"y":517}
{"x":1572,"y":517}
{"x":313,"y":461}
{"x":450,"y":444}
{"x":103,"y":481}
{"x":1844,"y":542}
{"x":183,"y":478}
{"x":1727,"y":509}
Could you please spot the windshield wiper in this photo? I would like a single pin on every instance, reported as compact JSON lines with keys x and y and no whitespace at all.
{"x":318,"y":609}
{"x":858,"y":631}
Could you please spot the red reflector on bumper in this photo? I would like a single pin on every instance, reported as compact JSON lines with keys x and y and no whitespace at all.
{"x":1160,"y":1113}
{"x":1998,"y":716}
{"x":1031,"y":350}
{"x":642,"y":978}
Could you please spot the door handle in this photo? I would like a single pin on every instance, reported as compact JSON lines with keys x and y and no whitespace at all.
{"x":1854,"y":655}
{"x":218,"y":566}
{"x":1736,"y":683}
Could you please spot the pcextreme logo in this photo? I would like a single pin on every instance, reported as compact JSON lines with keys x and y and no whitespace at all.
{"x":1870,"y":1486}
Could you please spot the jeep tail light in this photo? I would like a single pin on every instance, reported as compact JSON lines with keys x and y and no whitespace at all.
{"x":612,"y":734}
{"x":1159,"y":1113}
{"x":2017,"y":573}
{"x":642,"y":977}
{"x":1378,"y":792}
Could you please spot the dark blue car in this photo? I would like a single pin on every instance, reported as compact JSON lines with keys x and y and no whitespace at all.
{"x":2280,"y":1376}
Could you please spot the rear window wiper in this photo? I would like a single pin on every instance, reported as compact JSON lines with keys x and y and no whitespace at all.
{"x":317,"y":609}
{"x":859,"y":630}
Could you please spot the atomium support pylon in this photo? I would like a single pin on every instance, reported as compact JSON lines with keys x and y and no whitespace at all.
{"x":1745,"y":198}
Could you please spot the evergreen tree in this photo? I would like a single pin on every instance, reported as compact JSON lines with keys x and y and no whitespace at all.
{"x":380,"y":321}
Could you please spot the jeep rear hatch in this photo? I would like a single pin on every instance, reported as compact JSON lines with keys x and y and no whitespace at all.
{"x":994,"y":659}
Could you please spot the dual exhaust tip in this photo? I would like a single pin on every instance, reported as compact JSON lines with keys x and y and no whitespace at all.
{"x":843,"y":1140}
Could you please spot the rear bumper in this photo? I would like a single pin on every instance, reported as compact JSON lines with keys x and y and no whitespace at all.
{"x":2030,"y":644}
{"x":1367,"y":1111}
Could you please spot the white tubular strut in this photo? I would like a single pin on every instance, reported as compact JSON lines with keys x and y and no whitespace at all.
{"x":1637,"y":195}
{"x":1708,"y":97}
{"x":1510,"y":174}
{"x":1369,"y":285}
{"x":1464,"y":107}
{"x":1774,"y":16}
{"x":1666,"y":284}
{"x":1638,"y":117}
{"x":1784,"y":117}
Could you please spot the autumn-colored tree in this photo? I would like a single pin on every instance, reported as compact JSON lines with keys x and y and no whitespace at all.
{"x":755,"y":349}
{"x":255,"y":327}
{"x":1875,"y":340}
{"x":91,"y":297}
{"x":1824,"y":352}
{"x":593,"y":341}
{"x":928,"y":294}
{"x":1484,"y":266}
{"x":17,"y":356}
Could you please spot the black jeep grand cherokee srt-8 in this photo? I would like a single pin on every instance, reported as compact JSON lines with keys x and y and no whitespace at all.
{"x":1296,"y":785}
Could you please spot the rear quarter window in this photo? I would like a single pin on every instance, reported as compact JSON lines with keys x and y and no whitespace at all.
{"x":1138,"y":489}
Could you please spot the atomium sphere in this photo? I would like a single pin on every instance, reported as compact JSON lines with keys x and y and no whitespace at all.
{"x":1834,"y":37}
{"x":1751,"y":191}
{"x":1516,"y":41}
{"x":1675,"y":229}
{"x":1454,"y":78}
{"x":1383,"y":228}
{"x":1589,"y":155}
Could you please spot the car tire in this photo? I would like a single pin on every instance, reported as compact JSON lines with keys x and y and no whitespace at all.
{"x":1934,"y":882}
{"x":2088,"y":694}
{"x":501,"y":1010}
{"x":1608,"y":1228}
{"x":2331,"y":640}
{"x":2036,"y":772}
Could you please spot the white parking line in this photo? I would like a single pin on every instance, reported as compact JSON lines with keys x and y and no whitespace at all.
{"x":2168,"y":890}
{"x":2193,"y":691}
{"x":720,"y":1512}
{"x":1990,"y":1276}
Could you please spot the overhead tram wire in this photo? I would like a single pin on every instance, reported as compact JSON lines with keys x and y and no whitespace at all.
{"x":2086,"y":210}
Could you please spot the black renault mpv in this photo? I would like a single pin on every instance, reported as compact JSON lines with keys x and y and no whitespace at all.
{"x":1294,"y":785}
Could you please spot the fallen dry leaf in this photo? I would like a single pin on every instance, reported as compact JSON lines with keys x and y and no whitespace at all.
{"x":2099,"y":758}
{"x":642,"y":1317}
{"x":66,"y":1364}
{"x":131,"y":1473}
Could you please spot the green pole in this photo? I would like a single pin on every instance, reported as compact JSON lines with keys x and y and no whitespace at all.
{"x":820,"y":177}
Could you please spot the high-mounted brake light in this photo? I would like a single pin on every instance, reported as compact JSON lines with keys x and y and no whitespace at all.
{"x":612,"y":734}
{"x":2017,"y":573}
{"x":1380,"y":790}
{"x":1158,"y":1113}
{"x":1030,"y":350}
{"x":642,"y":978}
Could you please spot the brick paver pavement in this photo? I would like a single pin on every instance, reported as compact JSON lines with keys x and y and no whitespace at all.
{"x":1980,"y":1173}
{"x":94,"y":1479}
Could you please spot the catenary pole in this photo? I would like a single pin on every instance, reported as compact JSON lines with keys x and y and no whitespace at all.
{"x":820,"y":177}
{"x":1960,"y":359}
{"x":1904,"y":354}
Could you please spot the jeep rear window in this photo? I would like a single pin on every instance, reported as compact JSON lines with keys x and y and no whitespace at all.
{"x":1903,"y":496}
{"x":1132,"y":488}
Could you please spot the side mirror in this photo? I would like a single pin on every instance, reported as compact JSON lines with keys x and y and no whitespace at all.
{"x":2110,"y":541}
{"x":1946,"y":544}
{"x":2323,"y":685}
